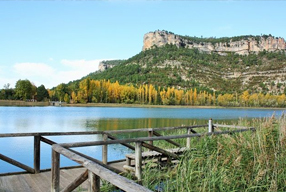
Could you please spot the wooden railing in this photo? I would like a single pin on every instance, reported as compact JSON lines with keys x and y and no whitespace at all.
{"x":100,"y":169}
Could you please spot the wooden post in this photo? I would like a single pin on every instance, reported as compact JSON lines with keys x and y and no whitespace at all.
{"x":37,"y":153}
{"x":211,"y":126}
{"x":78,"y":181}
{"x":150,"y":134}
{"x":104,"y":149}
{"x":94,"y":182}
{"x":55,"y":172}
{"x":188,"y":138}
{"x":138,"y":160}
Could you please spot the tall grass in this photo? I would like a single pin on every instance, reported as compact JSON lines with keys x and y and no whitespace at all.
{"x":248,"y":161}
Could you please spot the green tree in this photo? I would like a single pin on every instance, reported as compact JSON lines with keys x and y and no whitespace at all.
{"x":42,"y":93}
{"x":23,"y":89}
{"x":61,"y":90}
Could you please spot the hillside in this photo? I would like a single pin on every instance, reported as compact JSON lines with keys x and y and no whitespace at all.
{"x":181,"y":67}
{"x":104,"y":65}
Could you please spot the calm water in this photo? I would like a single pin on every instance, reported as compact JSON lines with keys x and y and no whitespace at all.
{"x":66,"y":119}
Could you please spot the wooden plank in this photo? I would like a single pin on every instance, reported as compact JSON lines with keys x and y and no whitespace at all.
{"x":168,"y":140}
{"x":104,"y":150}
{"x":150,"y":154}
{"x":129,"y":168}
{"x":115,"y":179}
{"x":124,"y":144}
{"x":47,"y":141}
{"x":37,"y":153}
{"x":232,"y":126}
{"x":40,"y":181}
{"x":150,"y":134}
{"x":94,"y":132}
{"x":16,"y":163}
{"x":164,"y":152}
{"x":141,"y":139}
{"x":78,"y":181}
{"x":138,"y":160}
{"x":94,"y":182}
{"x":55,"y":187}
{"x":188,"y":138}
{"x":85,"y":156}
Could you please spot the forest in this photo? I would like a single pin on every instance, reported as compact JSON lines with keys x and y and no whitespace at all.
{"x":103,"y":91}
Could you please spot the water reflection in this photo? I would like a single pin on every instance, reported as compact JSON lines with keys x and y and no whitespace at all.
{"x":67,"y":119}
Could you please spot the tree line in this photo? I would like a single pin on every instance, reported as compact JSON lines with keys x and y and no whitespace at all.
{"x":104,"y":91}
{"x":24,"y":90}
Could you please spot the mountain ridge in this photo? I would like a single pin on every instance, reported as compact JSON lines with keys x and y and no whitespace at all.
{"x":185,"y":68}
{"x":242,"y":45}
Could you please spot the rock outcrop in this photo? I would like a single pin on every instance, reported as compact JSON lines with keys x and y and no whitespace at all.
{"x":104,"y":66}
{"x":243,"y":47}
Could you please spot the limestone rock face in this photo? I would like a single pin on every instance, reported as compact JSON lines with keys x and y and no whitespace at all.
{"x":242,"y":47}
{"x":102,"y":66}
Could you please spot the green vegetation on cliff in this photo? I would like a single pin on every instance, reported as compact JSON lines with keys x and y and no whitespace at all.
{"x":189,"y":68}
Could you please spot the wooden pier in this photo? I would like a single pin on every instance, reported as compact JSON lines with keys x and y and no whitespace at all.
{"x":27,"y":182}
{"x":88,"y":177}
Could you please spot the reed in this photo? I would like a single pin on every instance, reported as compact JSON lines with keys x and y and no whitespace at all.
{"x":248,"y":161}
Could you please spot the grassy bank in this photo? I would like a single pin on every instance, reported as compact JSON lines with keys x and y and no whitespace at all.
{"x":249,"y":161}
{"x":22,"y":103}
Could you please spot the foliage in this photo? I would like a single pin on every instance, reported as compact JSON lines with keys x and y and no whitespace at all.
{"x":42,"y":93}
{"x":249,"y":161}
{"x":104,"y":91}
{"x":113,"y":62}
{"x":7,"y":93}
{"x":24,"y":89}
{"x":189,"y":68}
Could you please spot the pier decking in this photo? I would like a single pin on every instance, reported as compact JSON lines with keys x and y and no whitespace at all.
{"x":41,"y":182}
{"x":87,"y":178}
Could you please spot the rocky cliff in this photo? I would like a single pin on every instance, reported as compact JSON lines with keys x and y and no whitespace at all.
{"x":243,"y":46}
{"x":104,"y":65}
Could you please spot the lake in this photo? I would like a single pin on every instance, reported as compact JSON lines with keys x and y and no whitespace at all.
{"x":67,"y":119}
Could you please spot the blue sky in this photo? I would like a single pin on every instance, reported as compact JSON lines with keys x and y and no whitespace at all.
{"x":50,"y":42}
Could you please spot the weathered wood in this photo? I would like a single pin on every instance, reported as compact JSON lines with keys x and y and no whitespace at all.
{"x":78,"y":181}
{"x":16,"y":163}
{"x":150,"y":134}
{"x":124,"y":144}
{"x":95,"y":132}
{"x":47,"y":141}
{"x":94,"y":182}
{"x":55,"y":187}
{"x":40,"y":182}
{"x":154,"y":154}
{"x":232,"y":126}
{"x":188,"y":138}
{"x":153,"y":129}
{"x":104,"y":150}
{"x":138,"y":160}
{"x":211,"y":128}
{"x":141,"y":139}
{"x":115,"y":179}
{"x":37,"y":153}
{"x":168,"y":140}
{"x":50,"y":134}
{"x":129,"y":168}
{"x":164,"y":152}
{"x":86,"y":156}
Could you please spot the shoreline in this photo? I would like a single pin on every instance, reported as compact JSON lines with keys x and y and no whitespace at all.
{"x":18,"y":103}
